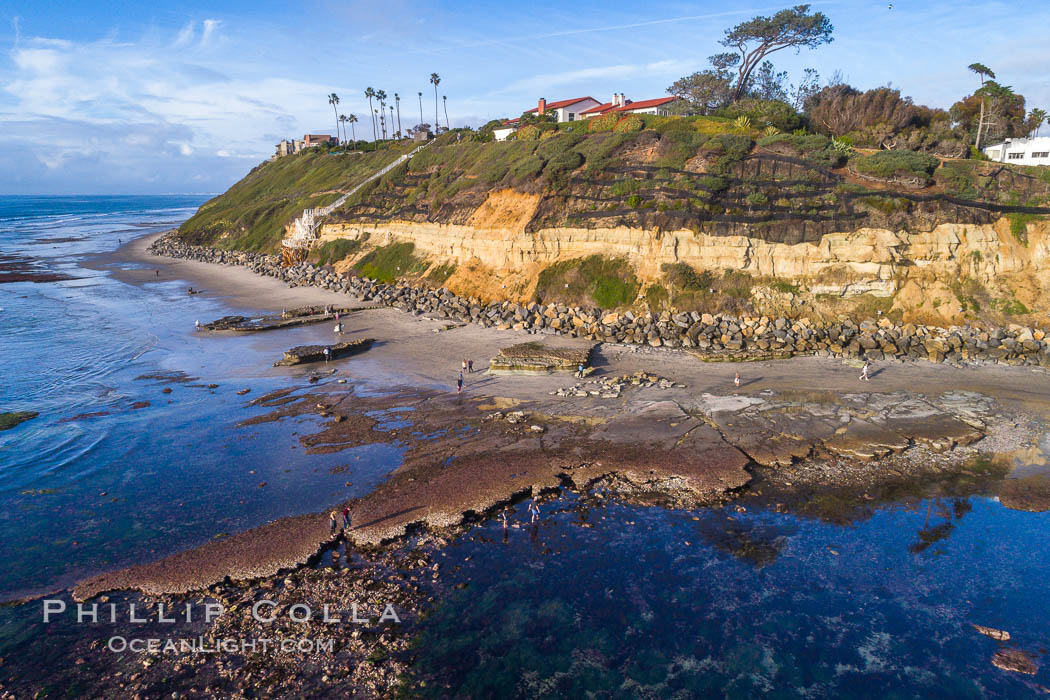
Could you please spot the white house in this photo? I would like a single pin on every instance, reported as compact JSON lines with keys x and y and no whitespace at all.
{"x":1021,"y":151}
{"x":621,"y":105}
{"x":567,"y":110}
{"x":501,"y":133}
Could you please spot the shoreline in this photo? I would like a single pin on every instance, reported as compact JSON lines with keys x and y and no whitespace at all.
{"x":572,"y":436}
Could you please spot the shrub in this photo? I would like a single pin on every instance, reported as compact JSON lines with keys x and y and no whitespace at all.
{"x":815,"y":148}
{"x":560,"y":166}
{"x":528,"y":168}
{"x":439,"y":274}
{"x":606,"y":282}
{"x":725,"y":149}
{"x":656,"y":296}
{"x":764,"y":113}
{"x":331,"y":252}
{"x":839,"y":109}
{"x":603,"y":123}
{"x":629,"y":123}
{"x":1019,"y":226}
{"x":529,"y":133}
{"x":684,"y":278}
{"x":893,"y":164}
{"x":388,"y":263}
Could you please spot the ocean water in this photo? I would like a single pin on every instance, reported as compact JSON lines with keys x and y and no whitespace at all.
{"x":616,"y":601}
{"x":94,"y":483}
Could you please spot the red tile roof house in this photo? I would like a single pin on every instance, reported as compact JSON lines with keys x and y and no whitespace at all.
{"x":566,"y":111}
{"x":317,"y":140}
{"x":621,"y":104}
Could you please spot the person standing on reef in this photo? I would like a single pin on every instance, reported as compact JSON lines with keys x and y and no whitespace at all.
{"x":736,"y":380}
{"x":346,"y":517}
{"x":579,"y":371}
{"x":470,"y":366}
{"x":459,"y":384}
{"x":864,"y":373}
{"x":331,"y":520}
{"x":327,"y":352}
{"x":534,"y":510}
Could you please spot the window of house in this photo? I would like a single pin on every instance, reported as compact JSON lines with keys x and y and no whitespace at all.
{"x":1015,"y":156}
{"x":572,"y":117}
{"x":1041,"y":154}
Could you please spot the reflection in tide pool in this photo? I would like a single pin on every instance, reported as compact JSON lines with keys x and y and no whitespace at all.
{"x":624,"y":601}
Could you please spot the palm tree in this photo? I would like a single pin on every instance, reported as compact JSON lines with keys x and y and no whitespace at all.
{"x":392,"y":134}
{"x":421,"y":107}
{"x":375,"y":120}
{"x":1038,"y":117}
{"x":434,"y":80}
{"x":370,"y":93}
{"x":333,"y":99}
{"x":351,"y":120}
{"x":444,"y":103}
{"x":981,"y":70}
{"x":397,"y":101}
{"x":342,"y":120}
{"x":381,"y":96}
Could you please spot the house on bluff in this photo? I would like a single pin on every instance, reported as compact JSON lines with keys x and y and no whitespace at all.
{"x":580,"y":108}
{"x":1021,"y":151}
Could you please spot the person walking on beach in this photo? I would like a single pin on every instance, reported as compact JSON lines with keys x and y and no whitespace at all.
{"x":470,"y":366}
{"x":346,"y":517}
{"x":534,"y":510}
{"x":579,"y":371}
{"x":864,"y":373}
{"x":463,"y":366}
{"x":331,"y":520}
{"x":736,"y":380}
{"x":459,"y":384}
{"x":327,"y":352}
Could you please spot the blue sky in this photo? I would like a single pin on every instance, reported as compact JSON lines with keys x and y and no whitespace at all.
{"x":158,"y":97}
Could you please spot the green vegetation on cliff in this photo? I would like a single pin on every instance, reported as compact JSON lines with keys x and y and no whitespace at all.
{"x":252,"y":214}
{"x":596,"y":281}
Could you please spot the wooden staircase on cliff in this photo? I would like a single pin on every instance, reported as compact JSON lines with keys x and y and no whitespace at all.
{"x":302,"y":234}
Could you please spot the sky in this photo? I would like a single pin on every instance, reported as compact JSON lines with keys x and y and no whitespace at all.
{"x":124,"y":97}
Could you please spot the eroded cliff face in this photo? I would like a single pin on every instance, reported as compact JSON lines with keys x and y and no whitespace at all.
{"x":496,"y":257}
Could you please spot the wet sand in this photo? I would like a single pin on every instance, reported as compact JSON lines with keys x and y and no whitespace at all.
{"x":694,"y":440}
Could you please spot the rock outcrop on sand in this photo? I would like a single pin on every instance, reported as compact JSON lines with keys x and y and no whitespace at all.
{"x":540,"y":357}
{"x":289,"y":319}
{"x":712,"y":337}
{"x":304,"y":354}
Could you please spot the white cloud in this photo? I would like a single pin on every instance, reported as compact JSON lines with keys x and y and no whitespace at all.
{"x":210,"y":27}
{"x":185,"y":149}
{"x":185,"y":36}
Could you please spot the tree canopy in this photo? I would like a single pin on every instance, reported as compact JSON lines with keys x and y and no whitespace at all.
{"x":760,"y":36}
